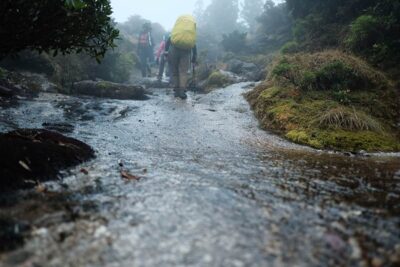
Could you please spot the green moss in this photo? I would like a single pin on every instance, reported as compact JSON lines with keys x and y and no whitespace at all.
{"x":360,"y":140}
{"x":270,"y":92}
{"x":345,"y":140}
{"x":103,"y":85}
{"x":304,"y":138}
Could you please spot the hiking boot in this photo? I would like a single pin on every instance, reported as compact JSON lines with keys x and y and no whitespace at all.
{"x":176,"y":93}
{"x":180,"y":93}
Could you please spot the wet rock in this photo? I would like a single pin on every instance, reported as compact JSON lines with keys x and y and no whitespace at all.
{"x":6,"y":92}
{"x":109,"y":90}
{"x":335,"y":241}
{"x":59,"y":127}
{"x":248,"y":70}
{"x":235,"y":66}
{"x":41,"y":83}
{"x":11,"y":234}
{"x":153,"y":83}
{"x":14,"y":84}
{"x":219,"y":79}
{"x":29,"y":156}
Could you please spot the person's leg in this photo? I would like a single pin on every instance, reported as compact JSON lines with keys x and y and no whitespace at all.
{"x":182,"y":73}
{"x":183,"y":69}
{"x":161,"y":68}
{"x":143,"y":63}
{"x":150,"y":60}
{"x":173,"y":59}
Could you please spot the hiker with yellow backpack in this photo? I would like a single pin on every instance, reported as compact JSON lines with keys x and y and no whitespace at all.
{"x":181,"y":50}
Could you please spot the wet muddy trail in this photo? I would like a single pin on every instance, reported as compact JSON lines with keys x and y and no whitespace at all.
{"x":214,"y":190}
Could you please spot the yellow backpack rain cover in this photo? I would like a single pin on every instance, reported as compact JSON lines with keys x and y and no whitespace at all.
{"x":184,"y":32}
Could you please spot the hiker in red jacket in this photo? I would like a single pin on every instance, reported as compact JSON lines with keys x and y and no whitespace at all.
{"x":161,"y":58}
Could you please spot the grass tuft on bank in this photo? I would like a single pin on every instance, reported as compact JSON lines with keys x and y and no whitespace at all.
{"x":329,"y":100}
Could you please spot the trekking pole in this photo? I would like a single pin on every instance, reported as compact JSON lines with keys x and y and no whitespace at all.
{"x":194,"y":76}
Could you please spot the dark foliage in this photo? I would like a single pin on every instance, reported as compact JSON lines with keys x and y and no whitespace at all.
{"x":56,"y":26}
{"x":234,"y":42}
{"x":275,"y":27}
{"x":370,"y":28}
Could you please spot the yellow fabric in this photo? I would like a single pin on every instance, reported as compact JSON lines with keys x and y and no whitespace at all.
{"x":184,"y":32}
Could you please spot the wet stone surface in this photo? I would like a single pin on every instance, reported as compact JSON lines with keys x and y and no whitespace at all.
{"x":214,"y":190}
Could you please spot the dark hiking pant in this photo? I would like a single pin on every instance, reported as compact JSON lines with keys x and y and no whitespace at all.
{"x":145,"y":56}
{"x":163,"y":65}
{"x":179,"y":64}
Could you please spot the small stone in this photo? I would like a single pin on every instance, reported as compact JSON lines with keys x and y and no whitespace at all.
{"x":355,"y":247}
{"x":41,"y":232}
{"x":377,"y":262}
{"x":101,"y":231}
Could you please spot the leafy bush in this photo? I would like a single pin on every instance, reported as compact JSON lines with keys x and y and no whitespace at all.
{"x":336,"y":76}
{"x":365,"y":31}
{"x":369,"y":28}
{"x":30,"y":61}
{"x":116,"y":67}
{"x":56,"y":26}
{"x":283,"y":68}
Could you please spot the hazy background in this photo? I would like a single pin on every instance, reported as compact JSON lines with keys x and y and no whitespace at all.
{"x":162,"y":11}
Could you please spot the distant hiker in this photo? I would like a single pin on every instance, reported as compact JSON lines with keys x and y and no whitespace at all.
{"x":160,"y":58}
{"x":181,"y":49}
{"x":145,"y":49}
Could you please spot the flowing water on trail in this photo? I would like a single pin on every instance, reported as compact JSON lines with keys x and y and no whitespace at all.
{"x":214,"y":190}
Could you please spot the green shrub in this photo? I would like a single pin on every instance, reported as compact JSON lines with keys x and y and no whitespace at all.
{"x":327,"y":71}
{"x":336,"y":76}
{"x":342,"y":96}
{"x":283,"y":68}
{"x":57,"y":26}
{"x":290,"y":48}
{"x":309,"y":80}
{"x":365,"y":31}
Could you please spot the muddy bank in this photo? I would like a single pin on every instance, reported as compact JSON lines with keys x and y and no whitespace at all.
{"x":28,"y":157}
{"x":339,"y":103}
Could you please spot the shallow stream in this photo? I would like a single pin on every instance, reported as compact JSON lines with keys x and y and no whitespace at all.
{"x":214,"y":190}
